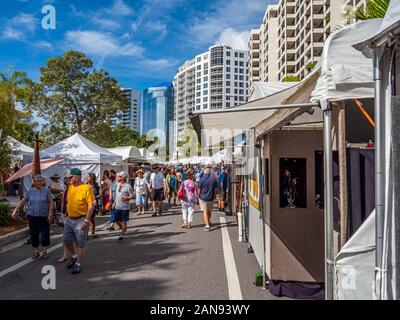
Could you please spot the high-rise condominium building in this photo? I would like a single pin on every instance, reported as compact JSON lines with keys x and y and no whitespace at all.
{"x":215,"y":79}
{"x":130,"y":118}
{"x":291,"y":37}
{"x":158,"y":109}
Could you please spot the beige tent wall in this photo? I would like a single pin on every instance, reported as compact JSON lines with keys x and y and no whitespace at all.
{"x":266,"y":154}
{"x":297,"y":235}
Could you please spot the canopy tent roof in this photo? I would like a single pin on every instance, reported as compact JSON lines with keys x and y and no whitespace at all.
{"x":265,"y":89}
{"x":27,"y":169}
{"x":388,"y":29}
{"x":230,"y":122}
{"x":20,"y":149}
{"x":128,"y":153}
{"x":78,"y":149}
{"x":345,"y":72}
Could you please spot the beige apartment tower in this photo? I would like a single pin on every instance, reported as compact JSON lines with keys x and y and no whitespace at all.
{"x":291,"y":37}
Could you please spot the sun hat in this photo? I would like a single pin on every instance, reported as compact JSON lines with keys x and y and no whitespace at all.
{"x":55,"y":176}
{"x":139,"y":171}
{"x":122,"y":174}
{"x":76,"y":172}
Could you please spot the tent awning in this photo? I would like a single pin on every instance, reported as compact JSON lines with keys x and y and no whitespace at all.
{"x":227,"y":123}
{"x":127,"y":153}
{"x":79,"y":149}
{"x":20,"y":149}
{"x":27,"y":169}
{"x":345,"y":72}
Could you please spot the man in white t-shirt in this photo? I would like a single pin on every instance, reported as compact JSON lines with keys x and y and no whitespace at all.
{"x":157,"y":183}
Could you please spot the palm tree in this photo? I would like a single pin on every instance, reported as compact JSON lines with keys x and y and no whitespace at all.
{"x":373,"y":9}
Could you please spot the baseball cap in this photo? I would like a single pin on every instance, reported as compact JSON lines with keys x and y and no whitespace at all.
{"x":76,"y":172}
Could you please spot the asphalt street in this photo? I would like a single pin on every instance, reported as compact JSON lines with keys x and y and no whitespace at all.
{"x":157,"y":260}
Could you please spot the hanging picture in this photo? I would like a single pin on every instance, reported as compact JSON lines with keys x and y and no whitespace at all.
{"x":293,"y":183}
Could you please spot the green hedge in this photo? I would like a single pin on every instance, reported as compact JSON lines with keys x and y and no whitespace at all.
{"x":5,"y":211}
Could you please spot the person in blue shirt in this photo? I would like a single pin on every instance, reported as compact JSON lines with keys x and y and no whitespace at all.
{"x":222,"y":188}
{"x":40,"y":215}
{"x":207,"y":186}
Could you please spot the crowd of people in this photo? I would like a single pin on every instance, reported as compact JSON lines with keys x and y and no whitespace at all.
{"x":80,"y":199}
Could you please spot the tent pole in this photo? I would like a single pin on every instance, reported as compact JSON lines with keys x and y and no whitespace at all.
{"x":379,"y":183}
{"x":342,"y":172}
{"x":328,"y":202}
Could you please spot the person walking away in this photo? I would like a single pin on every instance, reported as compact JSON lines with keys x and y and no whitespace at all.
{"x":166,"y":172}
{"x":172,"y":183}
{"x":40,"y":215}
{"x":64,"y":214}
{"x":91,"y":181}
{"x":57,"y":189}
{"x":140,"y":191}
{"x":189,"y":200}
{"x":122,"y":206}
{"x":106,"y":191}
{"x":146,"y":178}
{"x":157,"y":182}
{"x":207,"y":186}
{"x":223,"y":189}
{"x":114,"y":187}
{"x":80,"y":206}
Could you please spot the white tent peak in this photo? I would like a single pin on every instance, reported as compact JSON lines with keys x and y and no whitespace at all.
{"x":78,"y":148}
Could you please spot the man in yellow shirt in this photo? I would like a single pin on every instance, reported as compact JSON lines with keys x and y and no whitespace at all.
{"x":80,"y":205}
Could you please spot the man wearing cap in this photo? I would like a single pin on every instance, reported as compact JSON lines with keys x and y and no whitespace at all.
{"x":157,"y":182}
{"x":80,"y":205}
{"x":123,"y":195}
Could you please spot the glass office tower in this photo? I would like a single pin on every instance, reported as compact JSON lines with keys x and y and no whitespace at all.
{"x":157,"y":109}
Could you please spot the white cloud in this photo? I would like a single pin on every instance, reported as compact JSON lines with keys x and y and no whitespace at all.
{"x":119,"y":8}
{"x":11,"y":34}
{"x":235,"y":16}
{"x":44,"y":45}
{"x":157,"y":27}
{"x":100,"y":44}
{"x":24,"y":21}
{"x":105,"y":23}
{"x":235,"y":39}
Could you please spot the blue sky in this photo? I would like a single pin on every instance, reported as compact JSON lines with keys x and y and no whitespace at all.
{"x":140,"y":42}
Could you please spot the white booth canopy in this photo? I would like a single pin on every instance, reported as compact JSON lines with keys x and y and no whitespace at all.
{"x":20,"y":149}
{"x":345,"y":72}
{"x":128,"y":153}
{"x":265,"y":89}
{"x":78,"y":149}
{"x":231,"y":122}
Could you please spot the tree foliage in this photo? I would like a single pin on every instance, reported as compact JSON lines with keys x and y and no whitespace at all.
{"x":14,"y":89}
{"x":373,"y":9}
{"x":291,"y":79}
{"x":72,"y":96}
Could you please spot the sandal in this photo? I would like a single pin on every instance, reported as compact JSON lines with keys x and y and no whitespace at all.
{"x":44,"y":255}
{"x":36,"y":255}
{"x":189,"y":226}
{"x":184,"y":226}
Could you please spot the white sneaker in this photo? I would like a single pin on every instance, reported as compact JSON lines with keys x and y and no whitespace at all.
{"x":207,"y":227}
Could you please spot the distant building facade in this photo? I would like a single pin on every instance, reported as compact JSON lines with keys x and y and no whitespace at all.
{"x":130,"y":118}
{"x":157,"y":109}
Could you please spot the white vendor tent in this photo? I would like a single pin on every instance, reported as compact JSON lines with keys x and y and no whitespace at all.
{"x":128,"y":154}
{"x":21,"y":151}
{"x":79,"y":152}
{"x":383,"y":46}
{"x":355,"y":264}
{"x":265,"y":89}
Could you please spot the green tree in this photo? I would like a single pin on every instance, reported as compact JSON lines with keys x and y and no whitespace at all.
{"x":372,"y":10}
{"x":13,"y":90}
{"x":291,"y":79}
{"x":72,"y":96}
{"x":121,"y":136}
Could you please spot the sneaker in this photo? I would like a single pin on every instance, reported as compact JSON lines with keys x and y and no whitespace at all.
{"x":207,"y":227}
{"x":154,"y":214}
{"x":120,"y":238}
{"x":71,"y":263}
{"x":76,"y":269}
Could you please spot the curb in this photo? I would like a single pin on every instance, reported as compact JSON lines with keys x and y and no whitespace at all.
{"x":14,"y":236}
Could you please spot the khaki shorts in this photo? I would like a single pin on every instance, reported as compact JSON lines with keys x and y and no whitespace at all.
{"x":206,"y":205}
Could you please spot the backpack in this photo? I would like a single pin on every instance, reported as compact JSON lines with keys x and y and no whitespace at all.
{"x":172,"y":182}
